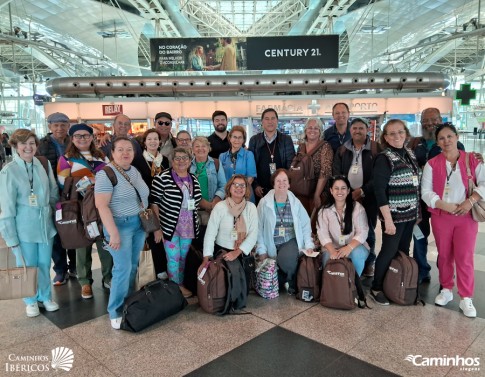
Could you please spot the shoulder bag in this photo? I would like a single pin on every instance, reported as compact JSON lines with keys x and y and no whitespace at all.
{"x":17,"y":282}
{"x":478,"y":208}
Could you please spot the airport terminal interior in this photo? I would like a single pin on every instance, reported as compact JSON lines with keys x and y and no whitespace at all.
{"x":74,"y":57}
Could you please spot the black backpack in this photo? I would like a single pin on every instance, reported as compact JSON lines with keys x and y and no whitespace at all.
{"x":237,"y":293}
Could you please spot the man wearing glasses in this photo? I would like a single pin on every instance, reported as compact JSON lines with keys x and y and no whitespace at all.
{"x":163,"y":123}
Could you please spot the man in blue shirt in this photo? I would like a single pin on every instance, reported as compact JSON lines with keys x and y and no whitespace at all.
{"x":338,"y":134}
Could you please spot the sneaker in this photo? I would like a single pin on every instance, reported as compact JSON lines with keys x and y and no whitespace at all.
{"x":72,"y":273}
{"x":466,"y":306}
{"x":162,"y":276}
{"x":291,"y":291}
{"x":444,"y":297}
{"x":369,"y":270}
{"x":60,"y":279}
{"x":116,"y":323}
{"x":49,"y":305}
{"x":185,"y":292}
{"x":32,"y":310}
{"x":379,"y":297}
{"x":107,"y":284}
{"x":86,"y":291}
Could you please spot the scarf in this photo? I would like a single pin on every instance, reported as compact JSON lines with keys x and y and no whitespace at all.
{"x":156,"y":166}
{"x":236,"y":211}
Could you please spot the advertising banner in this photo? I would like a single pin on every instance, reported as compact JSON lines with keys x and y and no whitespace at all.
{"x":239,"y":54}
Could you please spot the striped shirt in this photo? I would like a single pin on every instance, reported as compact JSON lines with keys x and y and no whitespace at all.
{"x":124,"y":201}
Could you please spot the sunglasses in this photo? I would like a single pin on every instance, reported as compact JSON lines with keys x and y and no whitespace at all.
{"x":161,"y":123}
{"x":239,"y":185}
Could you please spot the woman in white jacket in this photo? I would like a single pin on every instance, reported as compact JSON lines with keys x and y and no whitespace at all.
{"x":284,"y":229}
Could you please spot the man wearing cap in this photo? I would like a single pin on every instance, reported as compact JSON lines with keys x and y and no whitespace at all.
{"x":52,"y":146}
{"x":219,"y":140}
{"x":163,"y":123}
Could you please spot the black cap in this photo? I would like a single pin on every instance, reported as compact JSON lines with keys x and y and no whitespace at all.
{"x":163,"y":115}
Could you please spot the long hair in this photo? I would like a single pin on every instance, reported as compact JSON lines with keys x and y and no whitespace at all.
{"x":349,"y":202}
{"x":73,"y":152}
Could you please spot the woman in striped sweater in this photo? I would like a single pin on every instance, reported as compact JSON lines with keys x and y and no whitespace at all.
{"x":83,"y":159}
{"x":177,"y":195}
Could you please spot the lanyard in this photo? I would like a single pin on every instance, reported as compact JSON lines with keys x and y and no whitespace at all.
{"x":271,"y":152}
{"x":31,"y":180}
{"x":453,"y":168}
{"x":340,"y":222}
{"x":341,"y":138}
{"x":410,"y":166}
{"x":281,"y":214}
{"x":357,"y":153}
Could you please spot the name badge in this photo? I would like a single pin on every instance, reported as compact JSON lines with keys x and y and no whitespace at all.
{"x":191,"y":204}
{"x":272,"y":167}
{"x":281,"y":232}
{"x":33,"y":200}
{"x":415,"y":180}
{"x":234,"y":235}
{"x":59,"y":215}
{"x":354,"y":169}
{"x":341,"y":240}
{"x":446,"y":193}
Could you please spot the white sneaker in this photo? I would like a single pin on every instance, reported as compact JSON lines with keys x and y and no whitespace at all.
{"x":116,"y":323}
{"x":444,"y":297}
{"x":32,"y":310}
{"x":466,"y":306}
{"x":50,"y":305}
{"x":162,"y":276}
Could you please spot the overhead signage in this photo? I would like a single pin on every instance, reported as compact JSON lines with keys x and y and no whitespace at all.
{"x":109,"y":110}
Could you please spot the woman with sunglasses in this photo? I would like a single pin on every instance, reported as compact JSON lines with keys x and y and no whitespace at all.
{"x":342,"y":225}
{"x":396,"y":182}
{"x":445,"y":191}
{"x":233,"y":224}
{"x":284,"y":229}
{"x":83,"y":159}
{"x":177,"y":195}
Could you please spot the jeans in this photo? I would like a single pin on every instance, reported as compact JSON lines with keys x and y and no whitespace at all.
{"x":125,"y":260}
{"x":37,"y":255}
{"x":420,"y":249}
{"x":84,"y":263}
{"x":358,"y":257}
{"x":59,"y":257}
{"x":287,"y":259}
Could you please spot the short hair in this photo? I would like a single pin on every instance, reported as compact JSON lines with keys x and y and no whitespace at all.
{"x":203,"y":140}
{"x":341,"y":103}
{"x":148,"y":132}
{"x":118,"y":139}
{"x":359,"y":120}
{"x":268,"y":111}
{"x":184,"y":132}
{"x":182,"y":150}
{"x":441,"y":127}
{"x":227,"y":188}
{"x":390,"y":122}
{"x":21,"y":136}
{"x":217,"y":113}
{"x":319,"y":124}
{"x":436,"y":110}
{"x":120,"y":115}
{"x":239,"y":129}
{"x":276,"y":173}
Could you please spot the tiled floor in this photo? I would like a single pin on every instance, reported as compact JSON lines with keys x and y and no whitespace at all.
{"x":281,"y":337}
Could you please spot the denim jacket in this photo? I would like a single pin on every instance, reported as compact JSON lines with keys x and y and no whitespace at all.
{"x":216,"y":179}
{"x":245,"y":164}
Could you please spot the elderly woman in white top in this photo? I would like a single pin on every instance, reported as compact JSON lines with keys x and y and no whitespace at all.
{"x":233,"y":224}
{"x":342,"y":226}
{"x":284,"y":229}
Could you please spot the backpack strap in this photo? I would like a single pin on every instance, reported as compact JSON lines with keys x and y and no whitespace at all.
{"x":111,"y":175}
{"x":373,"y":148}
{"x":360,"y":292}
{"x":44,"y":161}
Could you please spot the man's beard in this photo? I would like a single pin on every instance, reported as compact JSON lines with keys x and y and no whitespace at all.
{"x":221,"y":127}
{"x":428,"y":133}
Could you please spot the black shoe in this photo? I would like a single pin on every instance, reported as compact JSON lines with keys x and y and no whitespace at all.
{"x":379,"y":297}
{"x":426,"y":279}
{"x":369,"y":270}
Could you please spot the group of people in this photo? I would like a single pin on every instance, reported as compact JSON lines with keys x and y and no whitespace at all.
{"x":216,"y":194}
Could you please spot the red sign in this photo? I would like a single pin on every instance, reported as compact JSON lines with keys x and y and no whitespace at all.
{"x":112,"y":109}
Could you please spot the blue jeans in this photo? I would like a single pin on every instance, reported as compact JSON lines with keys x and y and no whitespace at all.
{"x":358,"y":257}
{"x":125,"y":261}
{"x":37,"y":255}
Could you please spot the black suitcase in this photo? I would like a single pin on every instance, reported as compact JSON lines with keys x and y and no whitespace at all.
{"x":151,"y":304}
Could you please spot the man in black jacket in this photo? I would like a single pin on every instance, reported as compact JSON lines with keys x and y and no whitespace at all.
{"x":272,"y":150}
{"x":52,"y":146}
{"x":355,"y":159}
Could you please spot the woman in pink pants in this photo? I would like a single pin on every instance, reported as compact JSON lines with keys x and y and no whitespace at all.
{"x":444,"y":188}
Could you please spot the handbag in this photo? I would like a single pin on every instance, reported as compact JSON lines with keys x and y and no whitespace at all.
{"x":149,"y":221}
{"x":478,"y":208}
{"x":18,"y":282}
{"x":249,"y":266}
{"x":146,"y":269}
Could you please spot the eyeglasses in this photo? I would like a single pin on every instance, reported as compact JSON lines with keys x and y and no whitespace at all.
{"x":181,"y":158}
{"x":162,"y":123}
{"x":239,"y":185}
{"x":85,"y":136}
{"x":183,"y":141}
{"x":394,"y":134}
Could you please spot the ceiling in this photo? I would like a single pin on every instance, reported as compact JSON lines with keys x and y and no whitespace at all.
{"x":64,"y":38}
